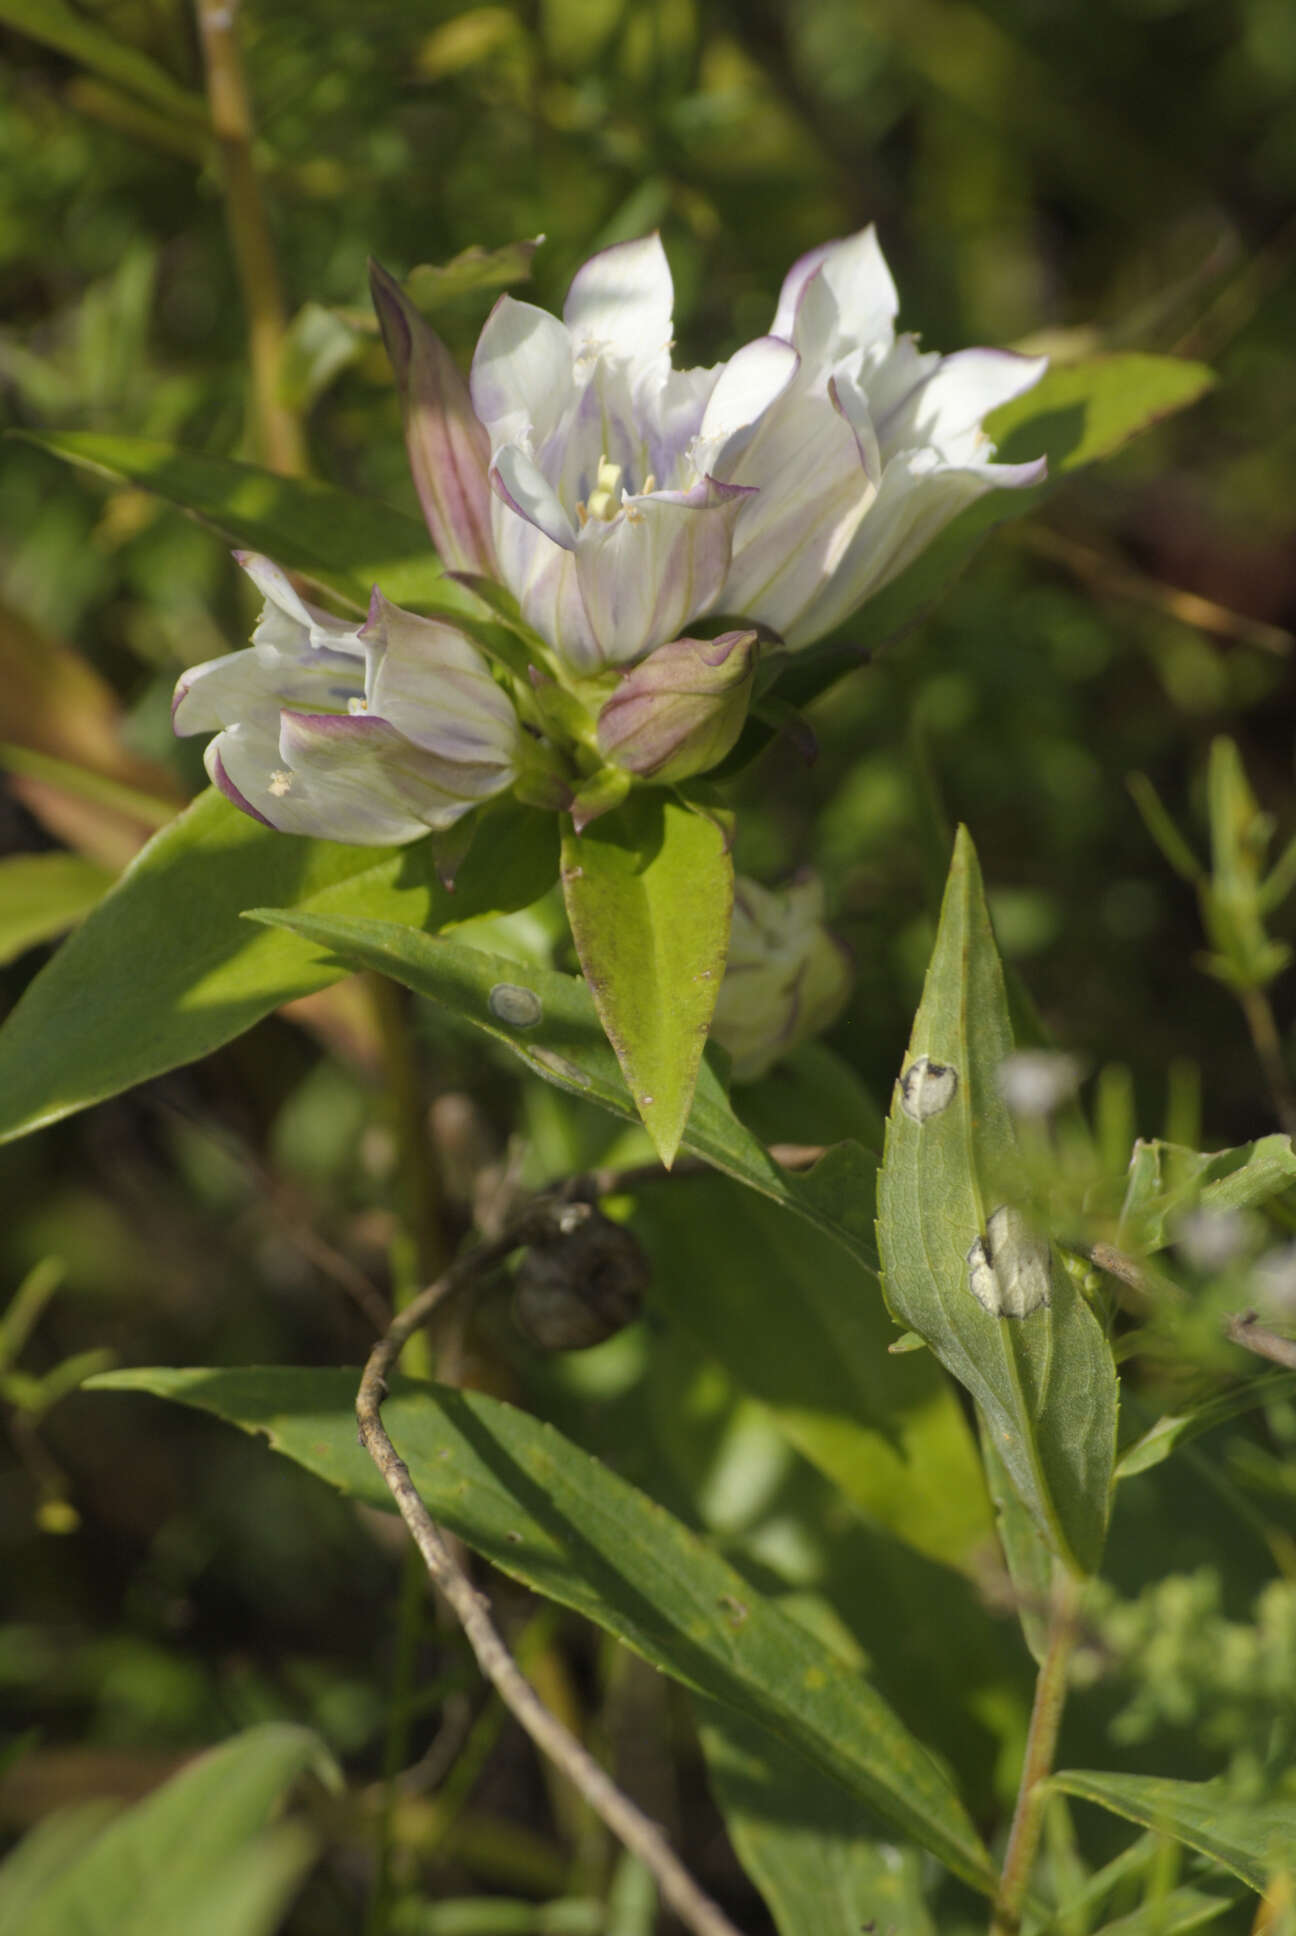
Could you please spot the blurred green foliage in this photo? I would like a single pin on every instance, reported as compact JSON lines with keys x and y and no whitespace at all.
{"x":1077,"y":178}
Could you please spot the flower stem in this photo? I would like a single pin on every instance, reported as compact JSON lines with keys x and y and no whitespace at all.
{"x":277,"y":427}
{"x":1259,"y":1014}
{"x":1041,"y":1746}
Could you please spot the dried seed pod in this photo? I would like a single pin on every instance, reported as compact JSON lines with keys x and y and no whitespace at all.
{"x":582,"y":1285}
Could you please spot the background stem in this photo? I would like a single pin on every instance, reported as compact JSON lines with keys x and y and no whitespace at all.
{"x":276,"y":428}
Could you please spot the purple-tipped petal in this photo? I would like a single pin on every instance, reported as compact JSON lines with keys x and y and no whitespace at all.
{"x":660,"y":563}
{"x":449,"y":449}
{"x":519,"y":483}
{"x":434,"y":686}
{"x":221,"y":780}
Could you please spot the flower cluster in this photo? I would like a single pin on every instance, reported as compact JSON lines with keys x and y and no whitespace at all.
{"x":620,"y":501}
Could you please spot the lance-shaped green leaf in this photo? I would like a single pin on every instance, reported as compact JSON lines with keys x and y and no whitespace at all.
{"x":344,"y":543}
{"x":1254,"y":1840}
{"x":961,"y":1266}
{"x":1181,"y":1428}
{"x":553,"y":1516}
{"x":199,"y":1854}
{"x":801,"y":1839}
{"x":164,"y":970}
{"x":548,"y":1021}
{"x":649,"y":893}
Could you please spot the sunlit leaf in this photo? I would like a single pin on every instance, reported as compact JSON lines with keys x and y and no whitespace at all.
{"x":164,"y":970}
{"x":649,"y":893}
{"x":431,"y":286}
{"x":1254,"y":1840}
{"x":199,"y":1855}
{"x":961,"y":1267}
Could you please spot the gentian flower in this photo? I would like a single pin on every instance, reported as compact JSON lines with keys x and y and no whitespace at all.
{"x":373,"y":733}
{"x":786,"y":977}
{"x":607,"y":532}
{"x":784,"y":487}
{"x":858,"y":447}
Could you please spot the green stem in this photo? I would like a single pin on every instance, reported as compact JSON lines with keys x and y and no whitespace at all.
{"x":277,"y":427}
{"x":1258,"y":1010}
{"x":1041,"y":1746}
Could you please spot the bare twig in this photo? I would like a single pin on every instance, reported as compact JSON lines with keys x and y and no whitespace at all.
{"x":633,"y":1828}
{"x":1110,"y":577}
{"x":1244,"y":1329}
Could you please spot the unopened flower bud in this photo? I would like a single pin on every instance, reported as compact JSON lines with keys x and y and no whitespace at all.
{"x":679,"y":711}
{"x":786,"y":978}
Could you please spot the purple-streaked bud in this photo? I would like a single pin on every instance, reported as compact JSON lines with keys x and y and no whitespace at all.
{"x":449,"y":450}
{"x":680,"y":710}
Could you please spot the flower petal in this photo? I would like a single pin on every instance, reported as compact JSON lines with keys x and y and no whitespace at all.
{"x":255,"y":683}
{"x":542,"y":577}
{"x":435,"y":688}
{"x":287,"y":622}
{"x":356,"y":757}
{"x":816,"y":470}
{"x":521,"y":371}
{"x":846,"y":303}
{"x":644,"y":574}
{"x":952,"y":394}
{"x":620,"y":304}
{"x":449,"y":449}
{"x":519,"y":482}
{"x":918,"y":497}
{"x":750,"y":382}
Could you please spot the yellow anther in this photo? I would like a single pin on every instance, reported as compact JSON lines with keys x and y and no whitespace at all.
{"x":605,"y":499}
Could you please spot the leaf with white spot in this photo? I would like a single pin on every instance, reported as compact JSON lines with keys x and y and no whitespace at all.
{"x":962,"y":1266}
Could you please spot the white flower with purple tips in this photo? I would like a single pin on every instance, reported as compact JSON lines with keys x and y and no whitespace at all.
{"x":372,"y":733}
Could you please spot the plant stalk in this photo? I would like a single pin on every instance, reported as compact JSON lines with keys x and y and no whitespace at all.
{"x":1037,"y":1765}
{"x":277,"y":428}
